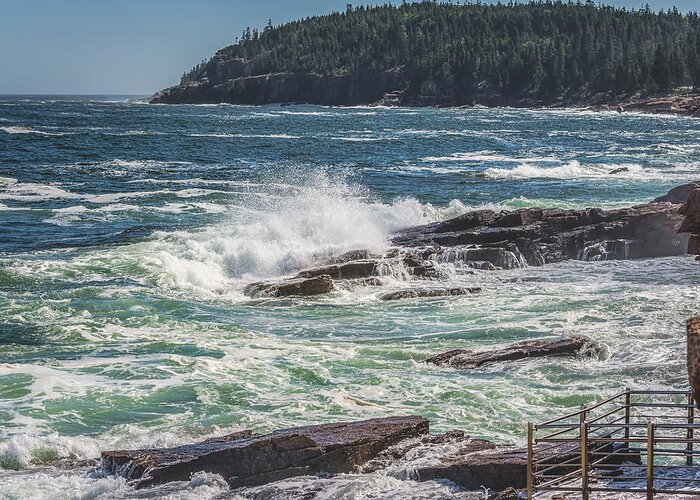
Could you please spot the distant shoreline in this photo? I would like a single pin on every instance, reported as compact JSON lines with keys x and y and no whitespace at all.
{"x":673,"y":104}
{"x":681,"y":104}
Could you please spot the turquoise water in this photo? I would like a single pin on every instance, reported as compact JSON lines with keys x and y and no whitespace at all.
{"x":127,"y":232}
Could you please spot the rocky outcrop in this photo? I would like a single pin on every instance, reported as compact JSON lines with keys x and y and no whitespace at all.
{"x":348,"y":270}
{"x":428,"y":292}
{"x":679,"y":194}
{"x":399,"y":447}
{"x":312,"y":285}
{"x":681,"y":104}
{"x":248,"y":460}
{"x":693,"y":342}
{"x":471,"y":463}
{"x":489,"y":240}
{"x":691,"y":223}
{"x":242,"y":87}
{"x":540,"y":236}
{"x":460,"y":358}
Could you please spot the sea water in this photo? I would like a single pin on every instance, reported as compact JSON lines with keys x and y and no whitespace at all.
{"x":128,"y":231}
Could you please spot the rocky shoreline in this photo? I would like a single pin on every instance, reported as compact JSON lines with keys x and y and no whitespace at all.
{"x":489,"y":240}
{"x":398,"y":446}
{"x":402,"y":446}
{"x":384,"y":90}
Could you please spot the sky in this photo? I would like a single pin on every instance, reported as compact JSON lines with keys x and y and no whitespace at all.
{"x":141,"y":46}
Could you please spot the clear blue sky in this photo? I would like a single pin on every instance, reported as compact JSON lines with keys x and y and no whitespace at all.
{"x":140,"y":46}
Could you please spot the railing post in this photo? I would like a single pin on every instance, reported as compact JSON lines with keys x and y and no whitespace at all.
{"x":584,"y":460}
{"x":628,"y":402}
{"x":650,"y":461}
{"x":530,"y":457}
{"x":689,"y":435}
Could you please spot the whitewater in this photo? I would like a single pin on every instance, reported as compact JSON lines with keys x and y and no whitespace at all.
{"x":128,"y":232}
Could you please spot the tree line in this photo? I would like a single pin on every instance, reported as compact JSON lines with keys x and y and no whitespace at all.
{"x":542,"y":49}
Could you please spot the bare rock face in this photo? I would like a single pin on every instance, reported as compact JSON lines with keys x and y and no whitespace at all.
{"x":460,"y":358}
{"x":348,"y":270}
{"x":693,"y":330}
{"x":678,"y":194}
{"x":691,"y":223}
{"x":540,"y":236}
{"x":313,"y":285}
{"x":428,"y":292}
{"x":254,"y":460}
{"x":241,"y":82}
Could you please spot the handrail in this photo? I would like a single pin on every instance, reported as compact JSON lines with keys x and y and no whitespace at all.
{"x":574,"y":450}
{"x":582,"y":410}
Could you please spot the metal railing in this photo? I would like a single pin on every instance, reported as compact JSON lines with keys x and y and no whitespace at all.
{"x":633,"y":442}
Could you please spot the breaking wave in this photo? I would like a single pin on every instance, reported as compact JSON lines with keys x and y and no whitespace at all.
{"x":292,"y":228}
{"x":26,"y":130}
{"x":570,"y":170}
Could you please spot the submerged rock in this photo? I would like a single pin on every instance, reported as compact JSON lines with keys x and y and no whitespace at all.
{"x":460,"y":358}
{"x":428,"y":292}
{"x":253,"y":460}
{"x":313,"y":285}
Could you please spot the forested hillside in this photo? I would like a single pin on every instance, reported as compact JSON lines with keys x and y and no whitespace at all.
{"x":444,"y":53}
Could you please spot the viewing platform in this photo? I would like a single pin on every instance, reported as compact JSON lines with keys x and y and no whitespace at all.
{"x":637,"y":442}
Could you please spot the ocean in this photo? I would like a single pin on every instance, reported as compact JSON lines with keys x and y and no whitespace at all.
{"x":128,"y":231}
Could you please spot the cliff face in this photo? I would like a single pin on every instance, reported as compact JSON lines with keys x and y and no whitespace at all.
{"x":309,"y":88}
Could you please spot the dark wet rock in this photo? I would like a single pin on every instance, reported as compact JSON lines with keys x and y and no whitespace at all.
{"x":313,"y":285}
{"x":354,"y":255}
{"x":360,"y":282}
{"x":460,"y":358}
{"x":475,"y":464}
{"x":399,"y":447}
{"x":418,"y":263}
{"x":471,"y":463}
{"x":348,"y":270}
{"x":678,"y":194}
{"x":489,"y":258}
{"x":536,"y":236}
{"x":428,"y":292}
{"x":255,"y":460}
{"x":618,"y":170}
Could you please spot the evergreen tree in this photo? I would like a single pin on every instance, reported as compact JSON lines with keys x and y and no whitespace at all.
{"x":543,"y":50}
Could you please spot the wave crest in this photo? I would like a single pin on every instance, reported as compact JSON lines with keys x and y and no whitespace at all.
{"x":570,"y":170}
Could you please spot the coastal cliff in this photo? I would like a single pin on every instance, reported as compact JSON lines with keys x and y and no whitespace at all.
{"x":433,"y":54}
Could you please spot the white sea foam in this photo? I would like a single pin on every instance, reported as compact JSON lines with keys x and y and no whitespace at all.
{"x":183,"y":193}
{"x":360,"y":139}
{"x":247,"y":136}
{"x":570,"y":170}
{"x":11,"y":189}
{"x":276,"y":235}
{"x":27,"y":130}
{"x":486,"y":156}
{"x":138,"y":164}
